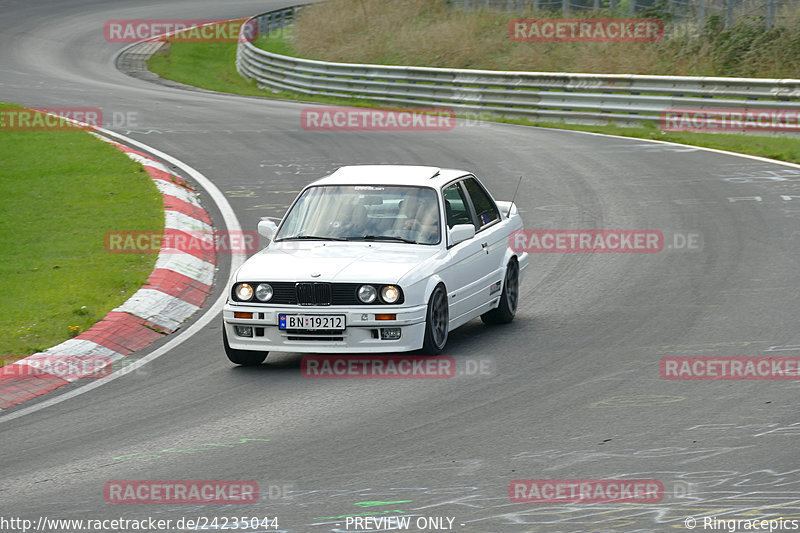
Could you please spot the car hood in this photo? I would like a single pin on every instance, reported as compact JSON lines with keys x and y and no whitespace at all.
{"x":366,"y":262}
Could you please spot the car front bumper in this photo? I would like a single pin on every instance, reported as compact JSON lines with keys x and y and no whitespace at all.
{"x":362,"y":333}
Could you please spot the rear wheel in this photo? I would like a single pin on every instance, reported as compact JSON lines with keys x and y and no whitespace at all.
{"x":437,"y":321}
{"x":509,"y":298}
{"x":242,"y":357}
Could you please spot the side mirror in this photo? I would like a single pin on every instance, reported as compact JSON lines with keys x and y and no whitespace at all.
{"x":267,"y":228}
{"x":460,"y":233}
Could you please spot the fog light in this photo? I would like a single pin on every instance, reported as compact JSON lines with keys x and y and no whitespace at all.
{"x":390,"y":334}
{"x":243,"y":331}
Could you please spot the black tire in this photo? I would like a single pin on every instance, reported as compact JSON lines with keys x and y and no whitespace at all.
{"x":509,"y":298}
{"x":242,"y":357}
{"x":436,"y":322}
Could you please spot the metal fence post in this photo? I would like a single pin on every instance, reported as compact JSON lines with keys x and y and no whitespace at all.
{"x":565,"y":7}
{"x":729,"y":13}
{"x":770,"y":19}
{"x":701,"y":11}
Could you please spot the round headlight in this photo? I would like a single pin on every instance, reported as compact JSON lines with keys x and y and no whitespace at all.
{"x":367,"y":294}
{"x":390,"y":294}
{"x":244,"y":291}
{"x":264,"y":292}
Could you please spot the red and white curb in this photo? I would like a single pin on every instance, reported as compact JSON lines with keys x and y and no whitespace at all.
{"x":177,"y":287}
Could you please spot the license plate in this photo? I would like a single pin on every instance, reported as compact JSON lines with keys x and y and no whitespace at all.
{"x":311,"y":322}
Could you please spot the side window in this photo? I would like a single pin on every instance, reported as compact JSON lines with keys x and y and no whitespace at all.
{"x":485,"y":207}
{"x":455,"y":205}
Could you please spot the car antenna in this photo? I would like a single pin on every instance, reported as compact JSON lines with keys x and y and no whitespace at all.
{"x":514,"y":197}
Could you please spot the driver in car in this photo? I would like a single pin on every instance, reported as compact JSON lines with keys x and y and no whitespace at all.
{"x":422,"y":220}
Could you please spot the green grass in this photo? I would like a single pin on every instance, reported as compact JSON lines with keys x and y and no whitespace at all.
{"x":437,"y":33}
{"x":213,"y":67}
{"x":60,"y":192}
{"x":781,"y":148}
{"x":210,"y":66}
{"x":278,"y":42}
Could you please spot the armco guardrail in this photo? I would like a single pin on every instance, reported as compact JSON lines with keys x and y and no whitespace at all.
{"x":622,"y":98}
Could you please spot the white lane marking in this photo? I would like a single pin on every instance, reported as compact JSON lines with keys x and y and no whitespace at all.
{"x":231,"y":223}
{"x":715,"y":150}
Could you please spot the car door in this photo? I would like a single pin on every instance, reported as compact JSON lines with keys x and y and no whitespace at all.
{"x":491,"y":234}
{"x":466,"y":258}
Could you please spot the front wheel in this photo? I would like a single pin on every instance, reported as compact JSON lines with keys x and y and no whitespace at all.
{"x":436,"y":323}
{"x":509,"y":298}
{"x":242,"y":357}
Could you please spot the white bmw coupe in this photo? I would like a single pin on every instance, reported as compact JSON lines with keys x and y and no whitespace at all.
{"x":376,"y":258}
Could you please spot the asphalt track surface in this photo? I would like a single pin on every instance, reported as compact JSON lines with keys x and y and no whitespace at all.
{"x":570,"y":390}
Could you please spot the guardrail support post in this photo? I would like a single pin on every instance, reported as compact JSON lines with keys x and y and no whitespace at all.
{"x":729,"y":13}
{"x":770,"y":18}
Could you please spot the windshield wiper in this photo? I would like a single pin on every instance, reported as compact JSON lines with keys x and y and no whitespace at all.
{"x":312,"y":238}
{"x":382,"y":238}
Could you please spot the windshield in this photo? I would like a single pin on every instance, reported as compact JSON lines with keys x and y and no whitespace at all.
{"x":358,"y":212}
